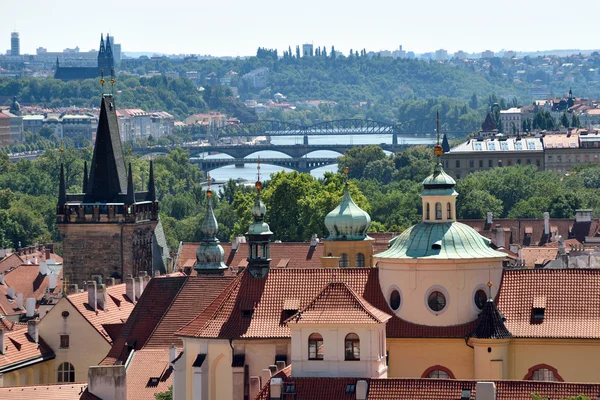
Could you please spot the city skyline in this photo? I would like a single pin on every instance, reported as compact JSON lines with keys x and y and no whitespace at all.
{"x":461,"y":25}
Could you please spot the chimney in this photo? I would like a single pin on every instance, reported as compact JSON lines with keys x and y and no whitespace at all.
{"x":110,"y":282}
{"x":30,"y":307}
{"x":362,"y":387}
{"x":280,"y":365}
{"x":101,"y":296}
{"x":130,"y":287}
{"x":490,"y":219}
{"x":48,"y":252}
{"x":43,"y":268}
{"x":485,"y":391}
{"x":32,"y":329}
{"x":254,"y":386}
{"x":1,"y":278}
{"x":273,"y":369}
{"x":72,"y":289}
{"x":52,"y":281}
{"x":265,"y":376}
{"x":172,"y":354}
{"x":20,"y":301}
{"x":546,"y":223}
{"x":11,"y":293}
{"x":314,"y":240}
{"x":276,"y":388}
{"x":91,"y":289}
{"x":583,"y":215}
{"x":2,"y":351}
{"x":139,"y":287}
{"x":108,"y":382}
{"x":146,"y":277}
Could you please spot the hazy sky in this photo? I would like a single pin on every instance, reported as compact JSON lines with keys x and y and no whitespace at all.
{"x":235,"y":27}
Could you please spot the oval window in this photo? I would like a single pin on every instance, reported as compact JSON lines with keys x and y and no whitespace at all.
{"x":436,"y":301}
{"x":395,"y":300}
{"x":480,"y":298}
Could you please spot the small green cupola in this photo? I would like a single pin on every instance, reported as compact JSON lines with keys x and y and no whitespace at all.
{"x":210,"y":254}
{"x":347,"y":221}
{"x":258,"y":236}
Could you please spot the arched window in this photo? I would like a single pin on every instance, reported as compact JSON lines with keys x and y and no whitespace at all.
{"x":315,"y":347}
{"x":360,"y":260}
{"x":543,"y":372}
{"x":352,"y":346}
{"x":66,"y":373}
{"x":438,"y":372}
{"x":344,"y":260}
{"x":438,"y":211}
{"x":427,"y":214}
{"x":449,"y":211}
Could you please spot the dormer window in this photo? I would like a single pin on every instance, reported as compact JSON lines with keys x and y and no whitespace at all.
{"x":539,"y":309}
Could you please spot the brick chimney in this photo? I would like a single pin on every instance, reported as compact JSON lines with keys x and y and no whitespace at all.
{"x":92,"y":295}
{"x":130,"y":287}
{"x":33,"y":330}
{"x":101,"y":297}
{"x":110,"y":282}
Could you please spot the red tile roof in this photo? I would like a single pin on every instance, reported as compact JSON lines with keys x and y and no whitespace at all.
{"x":148,"y":364}
{"x":267,"y":296}
{"x":20,"y":347}
{"x":338,"y":304}
{"x":10,"y":261}
{"x":70,"y":391}
{"x":428,"y":389}
{"x":117,"y":309}
{"x":571,"y":297}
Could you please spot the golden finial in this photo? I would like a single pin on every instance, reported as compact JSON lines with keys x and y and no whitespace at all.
{"x":102,"y":79}
{"x":112,"y":81}
{"x":60,"y":147}
{"x":258,"y":184}
{"x":208,"y":191}
{"x":346,"y":173}
{"x":438,"y":150}
{"x":489,"y":284}
{"x":130,"y":150}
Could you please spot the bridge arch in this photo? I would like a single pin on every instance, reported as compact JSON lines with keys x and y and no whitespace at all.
{"x":281,"y":151}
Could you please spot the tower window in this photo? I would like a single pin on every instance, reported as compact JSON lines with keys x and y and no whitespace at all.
{"x":427,"y":214}
{"x":360,"y":260}
{"x":315,"y":347}
{"x":344,"y":260}
{"x":438,"y":211}
{"x":352,"y":346}
{"x":449,"y":210}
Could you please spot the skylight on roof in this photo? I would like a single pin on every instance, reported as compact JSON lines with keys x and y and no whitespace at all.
{"x":492,"y":146}
{"x":531,"y":145}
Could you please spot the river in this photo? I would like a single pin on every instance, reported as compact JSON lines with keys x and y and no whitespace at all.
{"x":248,"y":172}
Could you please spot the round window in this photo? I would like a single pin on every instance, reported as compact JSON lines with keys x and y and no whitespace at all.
{"x":395,"y":300}
{"x":480,"y":298}
{"x":436,"y":301}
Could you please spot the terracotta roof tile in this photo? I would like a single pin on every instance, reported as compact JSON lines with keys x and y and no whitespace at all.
{"x":338,"y":304}
{"x":531,"y":255}
{"x":10,"y":261}
{"x":148,"y":373}
{"x":570,"y":298}
{"x":224,"y":318}
{"x":116,"y":310}
{"x":70,"y":391}
{"x":20,"y":347}
{"x":427,"y":389}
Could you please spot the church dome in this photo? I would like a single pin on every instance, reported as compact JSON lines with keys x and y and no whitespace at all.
{"x":438,"y":178}
{"x":450,"y":240}
{"x":210,"y":254}
{"x":347,"y":221}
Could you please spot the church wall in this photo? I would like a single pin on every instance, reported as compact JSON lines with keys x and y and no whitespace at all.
{"x":575,"y":360}
{"x":350,"y":247}
{"x":410,"y":358}
{"x":458,"y":280}
{"x":261,"y":353}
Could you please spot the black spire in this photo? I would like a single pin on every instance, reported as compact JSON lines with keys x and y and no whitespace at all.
{"x":151,"y":188}
{"x":62,"y":189}
{"x":490,"y":323}
{"x":102,"y":48}
{"x":85,"y":177}
{"x":108,"y":46}
{"x":130,"y":190}
{"x":445,"y":144}
{"x":107,"y":173}
{"x":489,"y":124}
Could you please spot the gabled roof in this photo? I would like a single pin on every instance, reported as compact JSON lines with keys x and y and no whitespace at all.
{"x":263,"y":300}
{"x":108,"y":177}
{"x":117,"y":309}
{"x":338,"y":304}
{"x":20,"y":349}
{"x":571,"y":299}
{"x":490,"y":323}
{"x":67,"y":391}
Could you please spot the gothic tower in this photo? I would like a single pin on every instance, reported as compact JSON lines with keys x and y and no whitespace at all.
{"x":107,"y":230}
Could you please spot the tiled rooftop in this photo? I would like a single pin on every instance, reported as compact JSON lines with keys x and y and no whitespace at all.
{"x":20,"y":347}
{"x":148,"y":373}
{"x":70,"y":391}
{"x":117,"y":309}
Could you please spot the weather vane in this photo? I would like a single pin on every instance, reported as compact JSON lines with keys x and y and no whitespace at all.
{"x":258,"y":183}
{"x":438,"y":150}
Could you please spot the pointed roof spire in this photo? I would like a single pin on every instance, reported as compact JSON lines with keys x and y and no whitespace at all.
{"x":130,"y":199}
{"x":102,"y":48}
{"x":85,"y":177}
{"x":107,"y":177}
{"x":489,"y":124}
{"x":108,"y":47}
{"x":210,"y":255}
{"x":490,"y":324}
{"x":151,"y":188}
{"x":62,"y":189}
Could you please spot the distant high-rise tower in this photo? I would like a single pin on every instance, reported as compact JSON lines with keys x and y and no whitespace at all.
{"x":15,"y":45}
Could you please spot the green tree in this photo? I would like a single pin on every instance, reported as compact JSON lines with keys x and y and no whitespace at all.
{"x":168,"y":395}
{"x":564,"y":120}
{"x":477,"y":203}
{"x":357,"y":158}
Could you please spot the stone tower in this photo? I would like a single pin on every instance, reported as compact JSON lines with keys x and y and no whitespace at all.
{"x":107,"y":230}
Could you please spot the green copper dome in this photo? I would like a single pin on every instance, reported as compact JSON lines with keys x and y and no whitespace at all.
{"x":439,"y":178}
{"x":347,"y":221}
{"x":210,"y":254}
{"x":259,"y":226}
{"x":449,"y":240}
